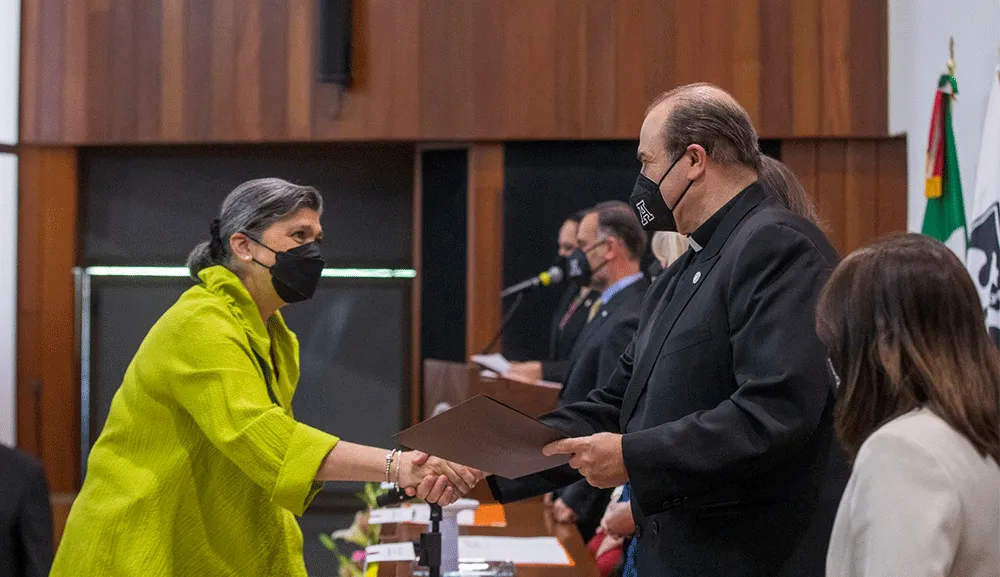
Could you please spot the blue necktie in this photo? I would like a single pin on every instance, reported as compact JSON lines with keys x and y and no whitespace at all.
{"x":629,"y":569}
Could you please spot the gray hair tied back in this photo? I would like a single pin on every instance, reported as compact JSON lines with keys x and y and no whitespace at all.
{"x":251,"y":208}
{"x":215,"y":241}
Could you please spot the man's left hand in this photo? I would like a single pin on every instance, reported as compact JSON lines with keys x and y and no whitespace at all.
{"x":597,"y":457}
{"x":530,"y":371}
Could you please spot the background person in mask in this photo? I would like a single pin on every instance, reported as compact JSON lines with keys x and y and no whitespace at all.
{"x":569,"y":319}
{"x":201,"y":466}
{"x":719,"y":417}
{"x":610,"y":245}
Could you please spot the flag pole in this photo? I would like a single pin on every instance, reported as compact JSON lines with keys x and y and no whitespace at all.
{"x":951,"y":56}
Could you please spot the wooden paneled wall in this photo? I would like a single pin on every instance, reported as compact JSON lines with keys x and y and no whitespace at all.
{"x":484,"y":257}
{"x":859,"y":185}
{"x":125,"y":71}
{"x":48,"y":380}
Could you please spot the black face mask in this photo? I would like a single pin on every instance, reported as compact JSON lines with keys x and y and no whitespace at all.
{"x":578,"y":267}
{"x":647,"y":202}
{"x":296,"y":272}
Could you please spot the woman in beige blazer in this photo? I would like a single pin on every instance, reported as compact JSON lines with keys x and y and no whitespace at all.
{"x":918,"y":411}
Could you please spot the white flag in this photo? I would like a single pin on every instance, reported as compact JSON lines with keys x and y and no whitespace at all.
{"x":983,"y":255}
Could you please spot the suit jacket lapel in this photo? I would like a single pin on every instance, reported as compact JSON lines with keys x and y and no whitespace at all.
{"x":603,"y":314}
{"x":669,"y":313}
{"x":664,"y":321}
{"x":601,"y":317}
{"x":653,"y":308}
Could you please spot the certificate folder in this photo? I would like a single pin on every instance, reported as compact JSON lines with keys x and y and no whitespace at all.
{"x":488,"y":435}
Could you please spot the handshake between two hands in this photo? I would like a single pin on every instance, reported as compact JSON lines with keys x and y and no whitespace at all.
{"x":597,"y":457}
{"x":436,"y":480}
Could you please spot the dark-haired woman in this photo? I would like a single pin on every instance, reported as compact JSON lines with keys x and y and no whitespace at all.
{"x":918,"y":411}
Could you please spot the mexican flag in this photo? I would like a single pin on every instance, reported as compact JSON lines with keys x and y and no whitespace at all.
{"x":944,"y":218}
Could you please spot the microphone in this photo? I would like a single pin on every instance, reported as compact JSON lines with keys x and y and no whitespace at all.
{"x":393,"y":497}
{"x":554,"y":275}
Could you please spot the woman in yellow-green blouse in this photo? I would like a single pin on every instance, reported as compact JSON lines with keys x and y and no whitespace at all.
{"x":201,"y":466}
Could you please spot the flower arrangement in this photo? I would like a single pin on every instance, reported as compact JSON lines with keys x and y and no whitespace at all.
{"x":349,"y":544}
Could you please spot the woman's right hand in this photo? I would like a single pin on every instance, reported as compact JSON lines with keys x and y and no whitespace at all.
{"x":435,"y":480}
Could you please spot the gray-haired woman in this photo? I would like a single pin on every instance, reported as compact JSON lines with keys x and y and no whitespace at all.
{"x":201,"y":465}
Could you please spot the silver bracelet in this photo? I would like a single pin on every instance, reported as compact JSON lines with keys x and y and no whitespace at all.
{"x":399,"y":460}
{"x":388,"y":463}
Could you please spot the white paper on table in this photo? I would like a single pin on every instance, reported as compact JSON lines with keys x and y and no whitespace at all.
{"x":420,"y":513}
{"x":518,"y":550}
{"x":389,"y":515}
{"x":494,"y":362}
{"x":390,"y":552}
{"x":467,"y":518}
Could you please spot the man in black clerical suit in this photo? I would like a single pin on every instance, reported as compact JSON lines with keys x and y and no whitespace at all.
{"x":610,"y":244}
{"x":568,"y":320}
{"x":719,"y":414}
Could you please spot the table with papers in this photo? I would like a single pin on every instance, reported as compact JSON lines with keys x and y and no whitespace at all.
{"x":530,"y":539}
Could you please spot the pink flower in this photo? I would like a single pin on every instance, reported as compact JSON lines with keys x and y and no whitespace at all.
{"x":358,"y":556}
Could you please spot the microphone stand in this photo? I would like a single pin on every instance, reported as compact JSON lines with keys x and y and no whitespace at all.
{"x":429,"y":549}
{"x":503,"y":323}
{"x":430,"y":544}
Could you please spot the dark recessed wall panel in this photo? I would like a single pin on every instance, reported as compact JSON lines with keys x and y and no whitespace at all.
{"x":442,"y":316}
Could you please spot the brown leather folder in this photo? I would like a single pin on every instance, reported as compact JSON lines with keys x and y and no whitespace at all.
{"x":488,"y":435}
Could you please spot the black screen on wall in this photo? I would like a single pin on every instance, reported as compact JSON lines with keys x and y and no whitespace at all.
{"x":352,"y":350}
{"x":150,"y":206}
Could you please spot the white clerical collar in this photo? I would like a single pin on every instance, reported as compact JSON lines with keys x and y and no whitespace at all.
{"x":694,"y":244}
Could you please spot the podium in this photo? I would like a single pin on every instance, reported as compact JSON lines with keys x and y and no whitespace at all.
{"x":451,"y":383}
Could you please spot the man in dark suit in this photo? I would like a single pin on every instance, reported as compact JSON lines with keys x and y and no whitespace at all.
{"x":25,"y":517}
{"x":719,"y":415}
{"x":610,"y":244}
{"x":568,"y":320}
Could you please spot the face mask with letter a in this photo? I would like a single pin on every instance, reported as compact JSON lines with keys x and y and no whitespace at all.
{"x":649,"y":206}
{"x":578,"y":267}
